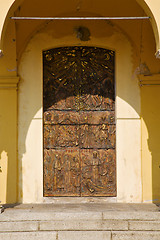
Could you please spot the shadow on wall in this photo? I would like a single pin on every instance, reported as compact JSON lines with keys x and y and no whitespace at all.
{"x":30,"y":89}
{"x":60,"y":90}
{"x":151,"y":117}
{"x":8,"y":145}
{"x":3,"y":176}
{"x":8,"y":172}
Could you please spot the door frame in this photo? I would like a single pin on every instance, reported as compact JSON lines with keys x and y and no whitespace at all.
{"x":50,"y":148}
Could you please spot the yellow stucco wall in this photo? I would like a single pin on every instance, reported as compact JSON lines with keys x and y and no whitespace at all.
{"x":150,"y":97}
{"x":140,"y":45}
{"x":30,"y":147}
{"x":8,"y":139}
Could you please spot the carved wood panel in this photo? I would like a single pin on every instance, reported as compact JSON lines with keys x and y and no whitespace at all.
{"x":79,"y":122}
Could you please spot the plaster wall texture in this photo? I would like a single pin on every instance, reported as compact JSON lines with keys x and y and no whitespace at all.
{"x":8,"y":140}
{"x":150,"y":142}
{"x":128,"y":104}
{"x":30,"y":123}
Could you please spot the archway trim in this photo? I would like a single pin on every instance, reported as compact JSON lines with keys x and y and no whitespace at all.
{"x":150,"y":8}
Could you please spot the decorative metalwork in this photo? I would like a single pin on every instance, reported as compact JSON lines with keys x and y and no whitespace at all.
{"x":79,"y":122}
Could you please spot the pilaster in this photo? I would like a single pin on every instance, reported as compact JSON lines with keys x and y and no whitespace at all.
{"x":8,"y":139}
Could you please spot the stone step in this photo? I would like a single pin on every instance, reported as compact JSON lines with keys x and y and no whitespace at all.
{"x":141,"y":235}
{"x":81,"y":235}
{"x":29,"y":215}
{"x":80,"y":224}
{"x":28,"y":236}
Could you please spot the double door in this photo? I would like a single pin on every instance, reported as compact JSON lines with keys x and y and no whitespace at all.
{"x":79,"y":122}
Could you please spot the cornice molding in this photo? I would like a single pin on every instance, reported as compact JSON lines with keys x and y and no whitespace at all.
{"x":153,"y":79}
{"x":9,"y":82}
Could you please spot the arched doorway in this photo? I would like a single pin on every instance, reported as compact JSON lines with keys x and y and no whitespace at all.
{"x":79,"y":122}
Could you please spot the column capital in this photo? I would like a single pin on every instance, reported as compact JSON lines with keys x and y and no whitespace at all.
{"x":153,"y":79}
{"x":9,"y":82}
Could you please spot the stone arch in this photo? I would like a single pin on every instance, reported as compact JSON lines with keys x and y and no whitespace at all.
{"x":148,"y":7}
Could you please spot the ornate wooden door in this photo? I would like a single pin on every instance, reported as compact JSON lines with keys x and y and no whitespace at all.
{"x":79,"y":122}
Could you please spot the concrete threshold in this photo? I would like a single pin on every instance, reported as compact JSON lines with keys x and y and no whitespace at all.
{"x":84,"y":207}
